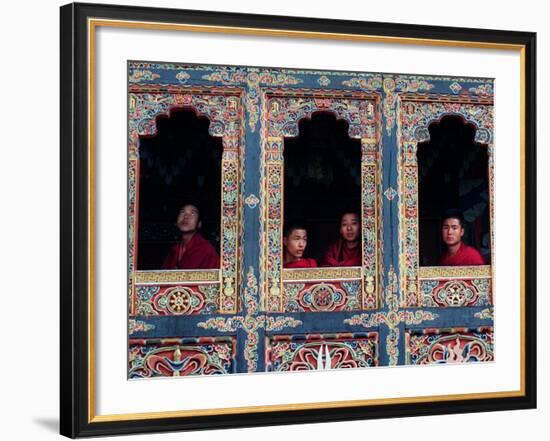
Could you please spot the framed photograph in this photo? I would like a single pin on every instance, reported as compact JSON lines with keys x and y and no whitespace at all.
{"x":274,"y":220}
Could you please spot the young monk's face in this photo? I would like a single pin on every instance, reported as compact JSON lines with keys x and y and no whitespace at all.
{"x":349,"y":227}
{"x":296,"y":243}
{"x":451,"y":231}
{"x":188,"y":219}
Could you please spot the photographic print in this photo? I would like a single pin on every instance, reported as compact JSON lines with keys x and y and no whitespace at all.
{"x":289,"y":220}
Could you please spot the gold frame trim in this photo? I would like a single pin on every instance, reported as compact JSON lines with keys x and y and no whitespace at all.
{"x":298,"y":34}
{"x":91,"y":223}
{"x":95,"y":23}
{"x":302,"y":406}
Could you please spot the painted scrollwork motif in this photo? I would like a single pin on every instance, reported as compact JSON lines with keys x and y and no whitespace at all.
{"x":460,"y":346}
{"x":176,"y":300}
{"x":455,"y":293}
{"x":254,"y":79}
{"x":167,"y":358}
{"x":286,"y":353}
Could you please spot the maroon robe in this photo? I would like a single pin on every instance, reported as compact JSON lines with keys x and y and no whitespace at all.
{"x":340,"y":255}
{"x":197,"y":254}
{"x":306,"y":262}
{"x":465,"y":256}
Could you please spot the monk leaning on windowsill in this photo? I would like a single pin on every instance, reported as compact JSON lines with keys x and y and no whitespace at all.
{"x":295,"y":243}
{"x":346,"y":251}
{"x":193,"y":251}
{"x":457,"y":252}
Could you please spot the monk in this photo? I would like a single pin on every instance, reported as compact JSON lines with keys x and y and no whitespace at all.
{"x":295,"y":243}
{"x":193,"y":251}
{"x":457,"y":252}
{"x":346,"y":251}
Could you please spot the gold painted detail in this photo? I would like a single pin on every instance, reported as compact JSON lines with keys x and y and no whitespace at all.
{"x":417,"y":317}
{"x":372,"y":83}
{"x":252,"y":201}
{"x":228,"y":290}
{"x":141,"y":75}
{"x":323,"y":81}
{"x":485,"y":314}
{"x":452,"y":272}
{"x":274,"y":225}
{"x":314,"y":274}
{"x":396,"y":85}
{"x":370,"y":284}
{"x":456,"y":99}
{"x":176,"y":276}
{"x":456,"y":293}
{"x":139,"y":326}
{"x":178,"y":301}
{"x":254,"y":79}
{"x":230,"y":234}
{"x":369,"y":208}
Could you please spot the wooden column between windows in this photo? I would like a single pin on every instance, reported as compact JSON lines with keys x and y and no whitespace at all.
{"x":274,"y":191}
{"x":229,"y":225}
{"x":369,"y":209}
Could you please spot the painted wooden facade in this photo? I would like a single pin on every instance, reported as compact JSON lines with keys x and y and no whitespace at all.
{"x":252,"y":315}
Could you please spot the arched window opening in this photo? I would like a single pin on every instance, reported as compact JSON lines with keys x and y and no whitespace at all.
{"x":322,"y":180}
{"x":179,"y":165}
{"x":452,"y":178}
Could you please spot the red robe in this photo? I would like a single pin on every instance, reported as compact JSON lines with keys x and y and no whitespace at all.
{"x":197,"y":254}
{"x":340,"y":255}
{"x":465,"y":256}
{"x":306,"y":262}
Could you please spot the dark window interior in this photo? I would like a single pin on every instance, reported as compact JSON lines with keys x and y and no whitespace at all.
{"x":322,"y":179}
{"x":452,"y":174}
{"x":179,"y":165}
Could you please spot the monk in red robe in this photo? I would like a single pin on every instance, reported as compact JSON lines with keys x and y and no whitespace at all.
{"x":457,"y":253}
{"x":346,"y":251}
{"x":193,"y":251}
{"x":295,"y":242}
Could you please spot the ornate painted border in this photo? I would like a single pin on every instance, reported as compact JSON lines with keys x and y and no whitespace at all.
{"x":321,"y":273}
{"x":321,"y":352}
{"x":455,"y":286}
{"x":283,"y":111}
{"x":416,"y":113}
{"x":452,"y":272}
{"x":177,"y":300}
{"x":178,"y":357}
{"x":455,"y":345}
{"x":322,"y":296}
{"x":225,"y":110}
{"x":176,"y":276}
{"x":455,"y":293}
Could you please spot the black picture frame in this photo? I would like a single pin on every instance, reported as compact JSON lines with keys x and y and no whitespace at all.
{"x":76,"y":408}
